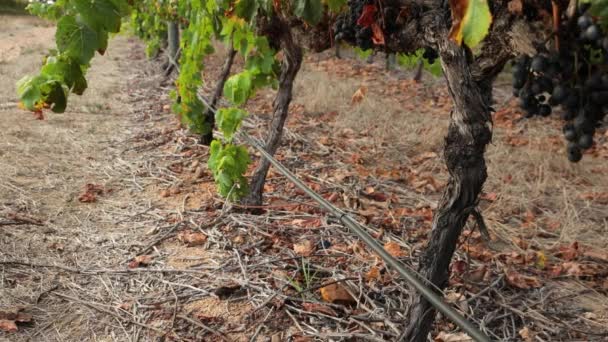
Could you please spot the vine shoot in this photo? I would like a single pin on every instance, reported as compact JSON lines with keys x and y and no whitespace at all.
{"x":258,"y":260}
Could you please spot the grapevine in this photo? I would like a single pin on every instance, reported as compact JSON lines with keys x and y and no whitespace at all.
{"x":567,"y":69}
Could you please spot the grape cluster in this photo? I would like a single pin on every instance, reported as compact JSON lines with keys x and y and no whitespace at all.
{"x":573,"y":78}
{"x":430,"y":55}
{"x":346,"y":28}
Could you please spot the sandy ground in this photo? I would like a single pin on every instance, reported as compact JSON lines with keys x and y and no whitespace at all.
{"x":45,"y":167}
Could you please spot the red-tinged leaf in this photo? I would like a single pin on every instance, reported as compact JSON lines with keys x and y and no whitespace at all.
{"x":377,"y":34}
{"x":87,"y":198}
{"x":376,"y":196}
{"x":38,"y":114}
{"x":521,"y":281}
{"x":569,"y":252}
{"x":471,"y":21}
{"x":459,"y":267}
{"x":367,"y":16}
{"x":8,"y":326}
{"x":91,"y":191}
{"x":320,"y":308}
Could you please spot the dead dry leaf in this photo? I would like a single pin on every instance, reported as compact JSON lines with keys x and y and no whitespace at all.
{"x":394,"y":249}
{"x":140,"y":260}
{"x":192,"y":238}
{"x":90,"y":193}
{"x":452,"y":337}
{"x":526,"y":334}
{"x":359,"y":95}
{"x":337,"y":294}
{"x":304,"y":248}
{"x":521,"y":281}
{"x":8,"y":325}
{"x":373,"y":274}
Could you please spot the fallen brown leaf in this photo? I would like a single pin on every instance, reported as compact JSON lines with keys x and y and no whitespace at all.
{"x":8,"y":326}
{"x":526,"y":334}
{"x":521,"y":281}
{"x":337,"y":294}
{"x":568,"y":252}
{"x":373,"y":274}
{"x":304,"y":248}
{"x":452,"y":337}
{"x":91,"y":191}
{"x":192,"y":238}
{"x":140,"y":260}
{"x":320,"y":308}
{"x":359,"y":95}
{"x":394,"y":249}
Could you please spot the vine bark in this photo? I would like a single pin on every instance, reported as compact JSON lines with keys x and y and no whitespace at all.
{"x":468,"y":134}
{"x":292,"y":60}
{"x":207,"y":138}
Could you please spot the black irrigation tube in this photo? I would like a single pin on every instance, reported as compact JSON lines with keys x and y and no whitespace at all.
{"x":358,"y":229}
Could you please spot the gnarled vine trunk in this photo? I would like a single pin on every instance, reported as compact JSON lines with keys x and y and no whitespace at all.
{"x":219,"y":90}
{"x":292,"y":60}
{"x":468,"y":134}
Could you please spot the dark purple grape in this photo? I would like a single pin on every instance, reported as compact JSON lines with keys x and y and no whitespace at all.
{"x":559,"y":94}
{"x":539,"y":63}
{"x":574,"y":153}
{"x":544,"y":110}
{"x":585,"y":141}
{"x":584,"y":22}
{"x":570,"y":135}
{"x":592,"y":33}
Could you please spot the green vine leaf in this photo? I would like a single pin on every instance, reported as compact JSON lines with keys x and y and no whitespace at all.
{"x":309,"y":10}
{"x":246,"y":9}
{"x":238,"y":88}
{"x":76,"y":39}
{"x":229,"y":120}
{"x":336,"y":5}
{"x":229,"y":164}
{"x":99,"y":14}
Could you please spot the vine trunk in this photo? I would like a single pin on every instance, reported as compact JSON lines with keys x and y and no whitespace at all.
{"x":468,"y":134}
{"x":292,"y":60}
{"x":207,"y":138}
